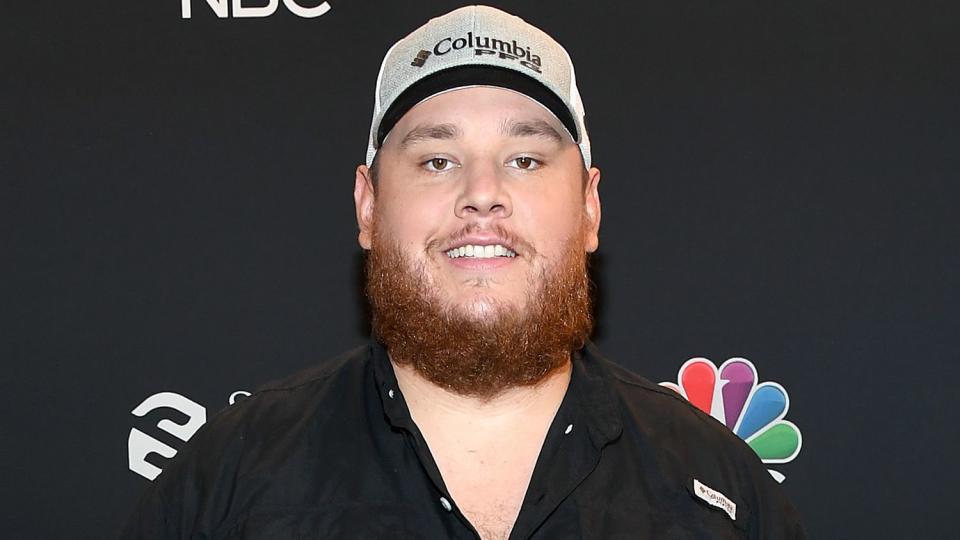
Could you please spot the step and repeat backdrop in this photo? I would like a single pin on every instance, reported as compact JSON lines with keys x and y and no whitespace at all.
{"x":779,"y":239}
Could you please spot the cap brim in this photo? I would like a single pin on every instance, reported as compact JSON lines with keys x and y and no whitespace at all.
{"x":474,"y":75}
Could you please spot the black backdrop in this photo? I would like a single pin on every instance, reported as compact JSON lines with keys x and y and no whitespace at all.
{"x":778,"y":184}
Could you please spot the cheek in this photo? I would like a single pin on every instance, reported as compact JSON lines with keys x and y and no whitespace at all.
{"x":410,"y":218}
{"x":553,"y":221}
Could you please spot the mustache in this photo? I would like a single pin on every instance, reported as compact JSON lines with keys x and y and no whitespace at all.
{"x":515,"y":241}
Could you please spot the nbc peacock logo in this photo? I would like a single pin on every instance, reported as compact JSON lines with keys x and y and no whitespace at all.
{"x":754,"y":412}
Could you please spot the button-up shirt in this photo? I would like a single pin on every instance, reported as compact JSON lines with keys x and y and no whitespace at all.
{"x":334,"y":453}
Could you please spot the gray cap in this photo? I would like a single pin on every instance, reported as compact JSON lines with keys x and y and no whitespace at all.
{"x":477,"y":46}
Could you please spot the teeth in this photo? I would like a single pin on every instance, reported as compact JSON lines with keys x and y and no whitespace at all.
{"x":481,"y":252}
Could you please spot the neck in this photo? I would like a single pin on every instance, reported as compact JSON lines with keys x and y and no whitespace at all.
{"x":427,"y":399}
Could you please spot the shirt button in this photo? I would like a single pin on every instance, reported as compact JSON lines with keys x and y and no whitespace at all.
{"x":568,"y":430}
{"x":390,"y":393}
{"x":445,"y":504}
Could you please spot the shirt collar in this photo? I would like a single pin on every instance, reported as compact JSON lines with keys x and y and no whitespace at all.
{"x":589,"y":390}
{"x":394,"y":406}
{"x":595,"y":395}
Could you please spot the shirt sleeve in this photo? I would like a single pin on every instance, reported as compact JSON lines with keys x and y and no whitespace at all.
{"x":151,"y":518}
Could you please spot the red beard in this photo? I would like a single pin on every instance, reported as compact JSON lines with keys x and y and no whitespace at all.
{"x":471,"y":356}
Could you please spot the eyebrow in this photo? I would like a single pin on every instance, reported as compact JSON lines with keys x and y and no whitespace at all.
{"x":511,"y":128}
{"x":530,"y":128}
{"x":425,"y":132}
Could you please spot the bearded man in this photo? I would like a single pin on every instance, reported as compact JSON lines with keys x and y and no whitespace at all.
{"x":478,"y":409}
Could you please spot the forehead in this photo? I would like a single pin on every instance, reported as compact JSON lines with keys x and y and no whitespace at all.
{"x":469,"y":107}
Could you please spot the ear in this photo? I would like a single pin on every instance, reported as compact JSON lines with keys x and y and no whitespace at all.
{"x":364,"y":199}
{"x":591,"y":207}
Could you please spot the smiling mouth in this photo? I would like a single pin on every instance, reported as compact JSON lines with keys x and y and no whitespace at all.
{"x":474,"y":251}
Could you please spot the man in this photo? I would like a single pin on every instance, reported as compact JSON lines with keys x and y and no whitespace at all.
{"x":478,"y":409}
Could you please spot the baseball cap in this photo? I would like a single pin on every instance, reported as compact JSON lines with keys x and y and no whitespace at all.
{"x":477,"y":46}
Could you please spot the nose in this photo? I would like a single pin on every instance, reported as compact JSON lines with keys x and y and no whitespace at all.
{"x":483,"y":194}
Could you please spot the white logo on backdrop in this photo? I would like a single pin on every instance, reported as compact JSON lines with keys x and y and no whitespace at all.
{"x":140,"y":445}
{"x":222,"y":9}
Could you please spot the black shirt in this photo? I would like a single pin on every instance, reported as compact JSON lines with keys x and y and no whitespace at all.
{"x":333,"y":453}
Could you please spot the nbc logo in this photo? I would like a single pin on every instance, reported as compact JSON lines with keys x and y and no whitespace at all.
{"x":754,"y":412}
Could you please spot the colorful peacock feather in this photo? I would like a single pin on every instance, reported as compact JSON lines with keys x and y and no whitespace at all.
{"x":755,"y":412}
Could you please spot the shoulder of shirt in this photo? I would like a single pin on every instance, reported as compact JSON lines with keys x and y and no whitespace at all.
{"x":276,"y":409}
{"x":632,"y":387}
{"x":672,"y":423}
{"x":284,"y":400}
{"x":344,"y":364}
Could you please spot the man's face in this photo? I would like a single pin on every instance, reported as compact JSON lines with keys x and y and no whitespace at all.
{"x":480,"y":167}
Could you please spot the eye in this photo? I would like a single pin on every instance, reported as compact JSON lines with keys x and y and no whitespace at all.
{"x":438,"y":164}
{"x":526,"y":163}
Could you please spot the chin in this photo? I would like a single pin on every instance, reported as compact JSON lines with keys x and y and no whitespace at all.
{"x":484,"y":307}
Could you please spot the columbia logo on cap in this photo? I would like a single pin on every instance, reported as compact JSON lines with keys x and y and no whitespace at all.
{"x":480,"y":45}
